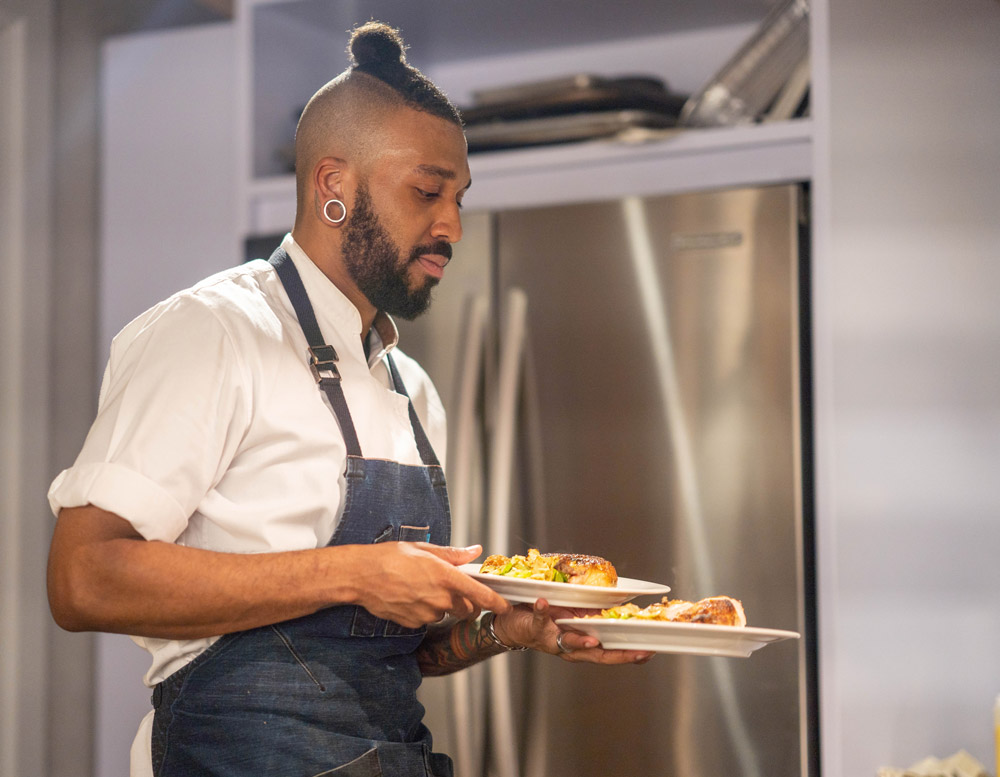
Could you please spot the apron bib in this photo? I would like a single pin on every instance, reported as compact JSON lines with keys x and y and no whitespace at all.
{"x":332,"y":693}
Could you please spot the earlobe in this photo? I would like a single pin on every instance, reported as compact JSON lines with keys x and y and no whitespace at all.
{"x":334,"y":218}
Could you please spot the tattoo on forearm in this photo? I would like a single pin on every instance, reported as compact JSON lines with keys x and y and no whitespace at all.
{"x":454,"y":645}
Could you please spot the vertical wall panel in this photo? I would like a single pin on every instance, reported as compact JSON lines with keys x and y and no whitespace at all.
{"x":911,"y":283}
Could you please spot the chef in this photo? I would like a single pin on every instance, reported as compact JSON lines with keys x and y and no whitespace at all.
{"x":260,"y":501}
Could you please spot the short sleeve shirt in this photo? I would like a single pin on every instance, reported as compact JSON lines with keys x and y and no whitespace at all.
{"x":212,"y":432}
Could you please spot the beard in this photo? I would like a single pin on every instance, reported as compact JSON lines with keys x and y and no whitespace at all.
{"x":377,"y":266}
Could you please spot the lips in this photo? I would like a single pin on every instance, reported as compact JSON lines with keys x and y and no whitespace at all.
{"x":433,"y":264}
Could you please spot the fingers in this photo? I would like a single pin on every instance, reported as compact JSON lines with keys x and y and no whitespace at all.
{"x":598,"y":655}
{"x":452,"y":554}
{"x":591,"y":654}
{"x":564,"y":642}
{"x":576,"y":647}
{"x":463,"y":609}
{"x":420,"y":581}
{"x":483,"y":596}
{"x":475,"y":593}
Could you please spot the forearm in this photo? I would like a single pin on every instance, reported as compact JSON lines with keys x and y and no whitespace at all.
{"x":103,"y":576}
{"x":115,"y":581}
{"x":214,"y":593}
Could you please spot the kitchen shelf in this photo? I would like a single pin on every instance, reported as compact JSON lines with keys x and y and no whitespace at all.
{"x":676,"y":161}
{"x":287,"y":48}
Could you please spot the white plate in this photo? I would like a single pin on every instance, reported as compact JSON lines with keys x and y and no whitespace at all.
{"x":520,"y":589}
{"x":665,"y":637}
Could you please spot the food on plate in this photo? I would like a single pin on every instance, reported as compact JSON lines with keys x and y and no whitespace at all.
{"x":554,"y":567}
{"x":716,"y":610}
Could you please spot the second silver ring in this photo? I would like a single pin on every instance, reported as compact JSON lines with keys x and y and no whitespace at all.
{"x":560,"y":645}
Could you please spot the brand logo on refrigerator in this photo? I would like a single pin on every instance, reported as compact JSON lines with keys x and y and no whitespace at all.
{"x":704,"y":241}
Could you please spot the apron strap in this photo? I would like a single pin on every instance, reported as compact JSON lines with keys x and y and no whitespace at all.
{"x":420,"y":436}
{"x":323,"y":362}
{"x":322,"y":357}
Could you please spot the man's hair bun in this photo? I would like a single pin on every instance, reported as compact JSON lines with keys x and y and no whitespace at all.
{"x":375,"y":46}
{"x":378,"y":50}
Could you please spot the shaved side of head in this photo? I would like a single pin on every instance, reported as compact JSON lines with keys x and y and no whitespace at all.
{"x":342,"y":120}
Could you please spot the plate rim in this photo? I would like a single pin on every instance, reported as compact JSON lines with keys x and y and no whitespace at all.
{"x":651,"y":589}
{"x":716,"y":628}
{"x":712,"y":639}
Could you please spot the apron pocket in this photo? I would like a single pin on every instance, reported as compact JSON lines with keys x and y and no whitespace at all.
{"x":366,"y":765}
{"x":414,"y":533}
{"x":438,"y":764}
{"x":367,"y":625}
{"x":364,"y":623}
{"x":393,"y":629}
{"x":298,"y":658}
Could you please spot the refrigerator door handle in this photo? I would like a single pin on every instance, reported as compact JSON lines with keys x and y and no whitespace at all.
{"x":504,"y":737}
{"x":463,"y":459}
{"x":505,"y":429}
{"x":468,"y":688}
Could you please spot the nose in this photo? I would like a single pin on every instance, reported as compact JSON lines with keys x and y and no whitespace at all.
{"x":448,"y":223}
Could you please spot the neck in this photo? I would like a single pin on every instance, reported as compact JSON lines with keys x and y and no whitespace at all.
{"x":326,"y":255}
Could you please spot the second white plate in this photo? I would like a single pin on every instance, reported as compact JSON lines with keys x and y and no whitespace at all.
{"x":667,"y":637}
{"x":519,"y":589}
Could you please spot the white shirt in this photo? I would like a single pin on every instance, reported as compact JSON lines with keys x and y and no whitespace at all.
{"x":212,"y":432}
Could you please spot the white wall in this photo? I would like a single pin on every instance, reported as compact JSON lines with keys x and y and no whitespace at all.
{"x":168,"y":166}
{"x":908,"y":328}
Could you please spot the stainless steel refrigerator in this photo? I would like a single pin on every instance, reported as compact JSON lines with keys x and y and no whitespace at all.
{"x":630,"y":379}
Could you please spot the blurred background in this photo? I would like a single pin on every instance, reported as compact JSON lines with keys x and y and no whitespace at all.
{"x":125,"y":136}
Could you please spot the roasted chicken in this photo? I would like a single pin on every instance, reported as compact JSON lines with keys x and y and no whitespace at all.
{"x":717,"y":610}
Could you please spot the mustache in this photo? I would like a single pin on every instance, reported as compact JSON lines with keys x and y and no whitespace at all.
{"x":440,"y":247}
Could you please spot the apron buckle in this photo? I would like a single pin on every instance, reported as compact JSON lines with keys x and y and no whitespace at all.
{"x":323,"y":363}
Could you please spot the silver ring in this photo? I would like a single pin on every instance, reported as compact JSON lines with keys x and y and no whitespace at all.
{"x":560,"y":645}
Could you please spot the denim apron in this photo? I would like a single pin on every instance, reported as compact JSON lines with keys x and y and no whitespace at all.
{"x":332,"y":693}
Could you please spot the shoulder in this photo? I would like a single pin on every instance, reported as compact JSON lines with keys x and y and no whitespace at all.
{"x":238,"y":297}
{"x":225,"y":304}
{"x":220,"y":324}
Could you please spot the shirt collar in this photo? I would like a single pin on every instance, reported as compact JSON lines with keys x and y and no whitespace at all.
{"x":333,"y":308}
{"x":382,"y":337}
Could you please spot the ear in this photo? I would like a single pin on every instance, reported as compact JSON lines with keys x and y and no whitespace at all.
{"x":328,"y":178}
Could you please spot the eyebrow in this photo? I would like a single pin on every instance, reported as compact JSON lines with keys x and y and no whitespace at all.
{"x":439,"y":172}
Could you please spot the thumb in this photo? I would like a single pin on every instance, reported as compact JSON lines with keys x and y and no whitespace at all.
{"x":455,"y":555}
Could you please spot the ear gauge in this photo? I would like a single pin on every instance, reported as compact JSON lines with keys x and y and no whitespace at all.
{"x":326,"y":211}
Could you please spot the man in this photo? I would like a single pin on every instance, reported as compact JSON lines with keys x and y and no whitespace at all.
{"x":259,"y":502}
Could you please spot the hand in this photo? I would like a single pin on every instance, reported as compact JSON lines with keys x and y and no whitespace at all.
{"x":417,"y":583}
{"x":535,"y":627}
